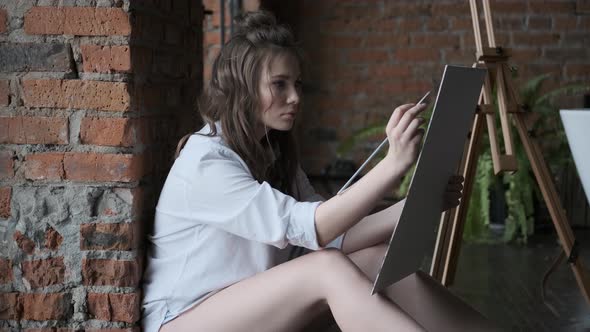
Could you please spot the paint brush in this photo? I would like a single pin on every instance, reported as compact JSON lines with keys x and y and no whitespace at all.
{"x":372,"y":155}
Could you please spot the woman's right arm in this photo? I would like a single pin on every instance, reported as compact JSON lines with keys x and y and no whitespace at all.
{"x":338,"y":214}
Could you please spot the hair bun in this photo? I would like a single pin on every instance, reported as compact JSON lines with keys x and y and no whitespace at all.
{"x":250,"y":21}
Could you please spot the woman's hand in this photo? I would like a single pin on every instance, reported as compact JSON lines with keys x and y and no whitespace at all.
{"x":404,"y":135}
{"x":453,"y":192}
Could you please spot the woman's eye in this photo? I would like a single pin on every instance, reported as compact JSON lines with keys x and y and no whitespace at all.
{"x":279,"y":84}
{"x":298,"y":84}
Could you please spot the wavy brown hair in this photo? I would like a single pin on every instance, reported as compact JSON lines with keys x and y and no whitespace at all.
{"x":233,"y":99}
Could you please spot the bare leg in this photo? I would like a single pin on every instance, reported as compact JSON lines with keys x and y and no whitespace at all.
{"x":289,"y":295}
{"x":427,"y":301}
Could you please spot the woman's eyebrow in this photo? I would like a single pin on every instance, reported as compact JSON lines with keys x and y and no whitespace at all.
{"x":283,"y":76}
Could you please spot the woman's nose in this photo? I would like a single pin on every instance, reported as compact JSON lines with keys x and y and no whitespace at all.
{"x":293,"y":97}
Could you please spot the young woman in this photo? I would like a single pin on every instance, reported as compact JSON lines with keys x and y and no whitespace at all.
{"x":236,"y":194}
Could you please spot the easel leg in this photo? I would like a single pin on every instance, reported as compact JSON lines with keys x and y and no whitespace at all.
{"x":543,"y":176}
{"x":449,"y":238}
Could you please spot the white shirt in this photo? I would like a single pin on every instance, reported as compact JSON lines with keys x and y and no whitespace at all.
{"x":216,"y":225}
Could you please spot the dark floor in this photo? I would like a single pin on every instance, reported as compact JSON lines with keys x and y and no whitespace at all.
{"x":504,"y":283}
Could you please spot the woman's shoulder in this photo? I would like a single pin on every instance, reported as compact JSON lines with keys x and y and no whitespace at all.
{"x":202,"y":147}
{"x":203,"y":150}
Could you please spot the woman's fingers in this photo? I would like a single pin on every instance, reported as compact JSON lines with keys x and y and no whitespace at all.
{"x":413,"y":127}
{"x":409,"y":116}
{"x":454,"y":187}
{"x":456,"y":179}
{"x":397,"y":115}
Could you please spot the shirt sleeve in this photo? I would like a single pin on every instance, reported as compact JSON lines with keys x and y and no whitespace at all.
{"x":225,"y":195}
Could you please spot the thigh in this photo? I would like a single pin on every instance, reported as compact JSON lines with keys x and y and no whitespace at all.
{"x":283,"y":298}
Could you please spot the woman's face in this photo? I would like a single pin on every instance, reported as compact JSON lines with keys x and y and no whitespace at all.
{"x":280,"y":93}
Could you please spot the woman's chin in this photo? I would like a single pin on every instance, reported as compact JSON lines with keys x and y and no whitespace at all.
{"x":284,"y":126}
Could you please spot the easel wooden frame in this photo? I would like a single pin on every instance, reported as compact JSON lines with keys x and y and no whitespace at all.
{"x":448,"y":244}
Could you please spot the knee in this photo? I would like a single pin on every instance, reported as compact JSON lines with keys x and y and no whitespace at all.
{"x":369,"y":260}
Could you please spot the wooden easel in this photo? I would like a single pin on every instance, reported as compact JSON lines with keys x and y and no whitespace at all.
{"x":495,"y":59}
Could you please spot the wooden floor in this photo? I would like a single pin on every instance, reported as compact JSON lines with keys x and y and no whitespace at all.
{"x":504,"y":283}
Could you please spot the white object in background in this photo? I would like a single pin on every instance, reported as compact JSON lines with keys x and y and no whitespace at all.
{"x":577,"y":129}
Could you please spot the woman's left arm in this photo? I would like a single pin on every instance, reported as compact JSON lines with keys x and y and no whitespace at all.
{"x":373,"y":229}
{"x":378,"y":227}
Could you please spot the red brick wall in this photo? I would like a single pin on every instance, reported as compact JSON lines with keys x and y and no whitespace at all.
{"x":367,"y":56}
{"x":92,"y":103}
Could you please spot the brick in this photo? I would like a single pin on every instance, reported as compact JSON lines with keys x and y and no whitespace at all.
{"x":109,"y":131}
{"x":576,"y":38}
{"x":106,"y":236}
{"x":5,"y":271}
{"x":540,"y":23}
{"x":33,"y":130}
{"x":6,"y":165}
{"x":79,"y":21}
{"x":106,"y":272}
{"x":506,"y":7}
{"x":565,"y":24}
{"x":45,"y":20}
{"x":45,"y":166}
{"x":106,"y":59}
{"x":76,"y":94}
{"x":552,"y":8}
{"x":417,"y":54}
{"x":52,"y":239}
{"x":341,"y":41}
{"x":23,"y":242}
{"x":114,"y":307}
{"x":367,"y":56}
{"x":211,"y":38}
{"x":388,"y":70}
{"x":525,"y":55}
{"x":4,"y":91}
{"x":10,"y":306}
{"x":577,"y":71}
{"x":3,"y":21}
{"x":437,"y":24}
{"x":408,"y":25}
{"x":451,"y":9}
{"x":535,"y":39}
{"x":436,"y":40}
{"x":249,"y":5}
{"x":566,"y":53}
{"x":46,"y":306}
{"x":386,"y":40}
{"x":459,"y":57}
{"x":44,"y":272}
{"x":5,"y":195}
{"x":461,"y":23}
{"x":25,"y":57}
{"x":103,"y":167}
{"x":395,"y":8}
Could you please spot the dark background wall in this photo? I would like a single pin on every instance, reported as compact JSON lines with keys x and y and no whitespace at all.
{"x":365,"y":57}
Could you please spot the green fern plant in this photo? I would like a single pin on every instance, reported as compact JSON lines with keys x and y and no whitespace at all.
{"x":520,"y":187}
